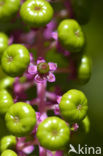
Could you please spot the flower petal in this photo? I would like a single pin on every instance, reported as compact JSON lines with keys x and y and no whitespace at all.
{"x":28,"y":149}
{"x":52,"y":66}
{"x":59,"y":99}
{"x":54,"y":35}
{"x":51,"y":77}
{"x":32,"y":69}
{"x":39,"y":79}
{"x":40,"y":60}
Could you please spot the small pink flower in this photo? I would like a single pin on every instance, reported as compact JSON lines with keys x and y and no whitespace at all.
{"x":75,"y":127}
{"x":42,"y":71}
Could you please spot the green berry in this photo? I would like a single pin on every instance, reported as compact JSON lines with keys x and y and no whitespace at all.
{"x":8,"y":153}
{"x":53,"y":133}
{"x":3,"y":43}
{"x":71,"y":35}
{"x":20,"y":119}
{"x":73,"y":106}
{"x":15,"y":60}
{"x":7,"y":142}
{"x":6,"y":83}
{"x":6,"y":101}
{"x":84,"y":69}
{"x":8,"y":8}
{"x":37,"y":13}
{"x":82,"y":132}
{"x":43,"y":68}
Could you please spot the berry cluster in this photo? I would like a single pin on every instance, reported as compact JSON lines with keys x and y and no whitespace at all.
{"x":41,"y":39}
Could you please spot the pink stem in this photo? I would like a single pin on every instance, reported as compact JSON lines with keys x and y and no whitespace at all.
{"x":53,"y":107}
{"x":59,"y":153}
{"x":41,"y":88}
{"x":40,"y":43}
{"x":51,"y":96}
{"x":68,"y":6}
{"x":42,"y":151}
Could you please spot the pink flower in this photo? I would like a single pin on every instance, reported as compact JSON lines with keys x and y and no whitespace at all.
{"x":42,"y":71}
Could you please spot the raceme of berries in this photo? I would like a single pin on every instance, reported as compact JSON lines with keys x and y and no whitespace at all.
{"x":36,"y":12}
{"x":40,"y":43}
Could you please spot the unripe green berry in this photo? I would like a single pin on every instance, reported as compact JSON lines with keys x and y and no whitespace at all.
{"x":20,"y":119}
{"x":6,"y":83}
{"x":82,"y":132}
{"x":36,"y":13}
{"x":6,"y":101}
{"x":15,"y":60}
{"x":8,"y":8}
{"x":3,"y":43}
{"x":8,"y":153}
{"x":71,"y":35}
{"x":73,"y":106}
{"x":43,"y":68}
{"x":7,"y":142}
{"x":56,"y":132}
{"x":84,"y":69}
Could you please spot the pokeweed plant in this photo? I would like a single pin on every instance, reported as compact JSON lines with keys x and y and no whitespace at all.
{"x":42,"y":38}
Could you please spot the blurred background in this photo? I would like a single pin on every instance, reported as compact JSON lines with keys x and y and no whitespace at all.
{"x":94,"y":88}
